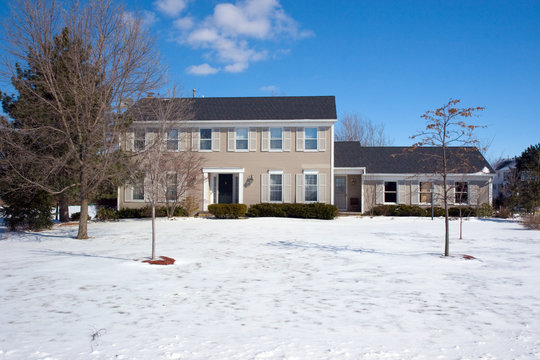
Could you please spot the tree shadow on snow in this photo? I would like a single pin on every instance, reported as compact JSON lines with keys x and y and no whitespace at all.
{"x":336,"y":249}
{"x":69,"y":253}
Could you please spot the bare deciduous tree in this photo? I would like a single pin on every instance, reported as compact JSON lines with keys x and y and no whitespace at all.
{"x":166,"y":167}
{"x":91,"y":59}
{"x":446,"y":127}
{"x":351,"y":127}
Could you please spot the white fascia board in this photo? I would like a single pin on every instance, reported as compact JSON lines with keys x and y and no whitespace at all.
{"x":223,"y":170}
{"x":427,"y":175}
{"x":350,"y":170}
{"x":244,"y":123}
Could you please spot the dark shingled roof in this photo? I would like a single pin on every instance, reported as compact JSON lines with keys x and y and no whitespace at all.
{"x":408,"y":160}
{"x":245,"y":108}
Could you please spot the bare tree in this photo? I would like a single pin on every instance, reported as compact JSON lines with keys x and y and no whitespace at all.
{"x":164,"y":164}
{"x":446,"y":127}
{"x":91,"y":59}
{"x":351,"y":127}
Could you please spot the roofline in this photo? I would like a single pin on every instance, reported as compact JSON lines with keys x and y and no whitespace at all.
{"x":430,"y":174}
{"x":287,"y":122}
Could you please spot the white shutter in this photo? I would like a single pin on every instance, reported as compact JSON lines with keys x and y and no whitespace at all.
{"x":147,"y":189}
{"x":265,"y":141}
{"x":264,"y":188}
{"x":252,"y":139}
{"x":195,"y":139}
{"x":300,"y":139}
{"x":215,"y":139}
{"x":286,"y":139}
{"x":130,"y":136}
{"x":149,"y":138}
{"x":231,"y":138}
{"x":473,"y":194}
{"x":322,"y":188}
{"x":299,"y":188}
{"x":287,"y":188}
{"x":437,"y":194}
{"x":379,"y":193}
{"x":321,"y":134}
{"x":182,"y":140}
{"x":128,"y":193}
{"x":401,"y":192}
{"x":415,"y":194}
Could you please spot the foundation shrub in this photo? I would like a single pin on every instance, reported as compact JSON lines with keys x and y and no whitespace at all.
{"x":384,"y":210}
{"x":484,"y":210}
{"x":77,"y":215}
{"x":302,"y":211}
{"x":127,"y":213}
{"x":437,"y":211}
{"x":227,"y":211}
{"x":466,"y":211}
{"x":410,"y":210}
{"x":105,"y":213}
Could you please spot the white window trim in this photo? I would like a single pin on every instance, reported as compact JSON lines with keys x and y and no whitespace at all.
{"x":276,"y":172}
{"x":384,"y":193}
{"x":270,"y":139}
{"x":316,"y":140}
{"x":144,"y":131}
{"x":177,"y":141}
{"x":201,"y":139}
{"x":235,"y":139}
{"x":311,"y":172}
{"x":132,"y":189}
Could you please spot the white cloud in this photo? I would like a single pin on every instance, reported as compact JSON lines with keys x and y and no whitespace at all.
{"x":149,"y":18}
{"x":203,"y":69}
{"x":235,"y":32}
{"x":170,"y":7}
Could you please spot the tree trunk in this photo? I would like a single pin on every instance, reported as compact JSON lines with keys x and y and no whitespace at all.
{"x":153,"y":231}
{"x":83,"y":220}
{"x":64,"y":208}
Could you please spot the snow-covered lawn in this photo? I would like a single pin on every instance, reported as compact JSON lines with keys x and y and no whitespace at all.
{"x":353,"y":288}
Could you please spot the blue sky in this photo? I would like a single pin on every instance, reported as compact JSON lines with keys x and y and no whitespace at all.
{"x":387,"y":61}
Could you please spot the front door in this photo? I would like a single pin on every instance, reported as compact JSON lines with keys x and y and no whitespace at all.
{"x":225,"y":188}
{"x":340,"y":192}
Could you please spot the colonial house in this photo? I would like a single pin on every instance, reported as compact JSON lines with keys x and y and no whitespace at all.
{"x":282,"y":150}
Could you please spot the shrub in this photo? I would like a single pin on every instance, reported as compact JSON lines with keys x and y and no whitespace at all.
{"x":437,"y":211}
{"x":466,"y":211}
{"x":107,"y":214}
{"x":303,"y":211}
{"x":484,"y":210}
{"x":127,"y":213}
{"x":531,"y":221}
{"x":408,"y":210}
{"x":503,"y":212}
{"x":227,"y":211}
{"x":384,"y":210}
{"x":77,"y":215}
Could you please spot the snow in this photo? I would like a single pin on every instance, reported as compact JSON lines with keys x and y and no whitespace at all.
{"x":267,"y":288}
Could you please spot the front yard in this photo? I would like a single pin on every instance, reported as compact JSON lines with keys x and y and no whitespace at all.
{"x":267,"y":288}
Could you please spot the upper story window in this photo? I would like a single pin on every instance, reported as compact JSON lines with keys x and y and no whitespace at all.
{"x":139,"y":140}
{"x":172,"y":140}
{"x":390,"y":192}
{"x":311,"y":187}
{"x":276,"y":139}
{"x":242,"y":139}
{"x":461,"y":192}
{"x":310,"y":139}
{"x":205,"y":139}
{"x":425,"y":192}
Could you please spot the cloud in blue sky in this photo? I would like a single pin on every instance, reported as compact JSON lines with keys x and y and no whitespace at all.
{"x":234,"y":34}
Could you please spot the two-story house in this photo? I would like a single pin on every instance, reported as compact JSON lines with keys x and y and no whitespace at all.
{"x":260,"y":149}
{"x":282,"y":150}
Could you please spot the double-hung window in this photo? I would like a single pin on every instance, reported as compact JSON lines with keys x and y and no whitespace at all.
{"x":172,"y":140}
{"x":138,"y":191}
{"x":390,"y":192}
{"x":172,"y":185}
{"x":461,"y":192}
{"x":242,"y":139}
{"x":311,"y":187}
{"x":205,"y":139}
{"x":310,"y":139}
{"x":139,"y":140}
{"x":276,"y":187}
{"x":425,"y":192}
{"x":276,"y":139}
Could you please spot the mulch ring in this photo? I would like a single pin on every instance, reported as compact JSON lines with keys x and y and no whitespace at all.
{"x":163,"y":260}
